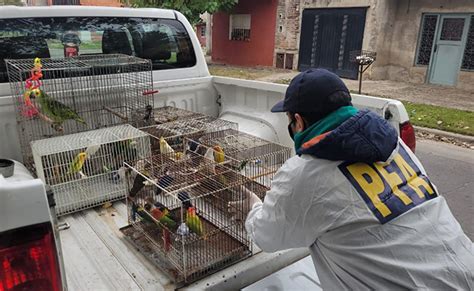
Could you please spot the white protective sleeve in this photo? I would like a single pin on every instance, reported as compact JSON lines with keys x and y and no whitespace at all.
{"x":295,"y":212}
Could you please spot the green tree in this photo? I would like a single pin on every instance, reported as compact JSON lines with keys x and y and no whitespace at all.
{"x":190,"y":8}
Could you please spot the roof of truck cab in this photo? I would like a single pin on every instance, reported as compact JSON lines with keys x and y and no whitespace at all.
{"x":83,"y":11}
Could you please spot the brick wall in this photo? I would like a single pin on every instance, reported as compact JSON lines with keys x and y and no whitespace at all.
{"x":287,"y":33}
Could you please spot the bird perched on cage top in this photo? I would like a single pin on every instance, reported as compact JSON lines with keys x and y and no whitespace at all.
{"x":76,"y":165}
{"x":56,"y":111}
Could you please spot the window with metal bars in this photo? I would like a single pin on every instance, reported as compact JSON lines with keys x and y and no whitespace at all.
{"x":239,"y":27}
{"x":427,"y":35}
{"x":468,"y":59}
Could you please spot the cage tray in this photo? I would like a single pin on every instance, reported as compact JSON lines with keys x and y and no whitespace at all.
{"x":219,"y":249}
{"x":82,"y":194}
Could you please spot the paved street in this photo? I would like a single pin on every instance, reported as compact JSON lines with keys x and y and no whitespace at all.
{"x":451,"y":169}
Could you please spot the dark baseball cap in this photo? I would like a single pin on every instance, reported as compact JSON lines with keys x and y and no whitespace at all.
{"x":313,"y":91}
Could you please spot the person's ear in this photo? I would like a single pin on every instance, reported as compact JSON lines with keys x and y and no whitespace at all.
{"x":299,"y":123}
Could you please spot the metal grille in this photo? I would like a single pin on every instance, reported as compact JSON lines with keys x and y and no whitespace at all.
{"x":468,"y":59}
{"x":249,"y":155}
{"x":86,"y":169}
{"x":452,"y":29}
{"x":425,"y":46}
{"x":164,"y":192}
{"x":174,"y":132}
{"x":240,"y":34}
{"x":78,"y":94}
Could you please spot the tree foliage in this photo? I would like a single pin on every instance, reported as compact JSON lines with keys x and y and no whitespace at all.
{"x":190,"y":8}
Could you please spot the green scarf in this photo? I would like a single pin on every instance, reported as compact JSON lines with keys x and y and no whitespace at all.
{"x":326,"y":124}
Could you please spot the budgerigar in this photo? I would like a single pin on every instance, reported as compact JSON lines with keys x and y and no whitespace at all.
{"x":165,"y":148}
{"x":193,"y":221}
{"x":218,"y":154}
{"x":55,"y":110}
{"x":76,"y":165}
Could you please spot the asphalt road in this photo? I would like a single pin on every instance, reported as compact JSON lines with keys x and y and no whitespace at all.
{"x":451,"y":169}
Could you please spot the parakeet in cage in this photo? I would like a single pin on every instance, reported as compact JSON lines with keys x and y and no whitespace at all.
{"x":76,"y":165}
{"x":54,"y":111}
{"x":218,"y":154}
{"x":194,"y":222}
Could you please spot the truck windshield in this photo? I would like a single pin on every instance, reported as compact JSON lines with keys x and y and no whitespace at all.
{"x":164,"y":41}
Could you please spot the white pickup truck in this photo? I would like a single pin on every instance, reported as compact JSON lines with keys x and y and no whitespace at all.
{"x":95,"y":255}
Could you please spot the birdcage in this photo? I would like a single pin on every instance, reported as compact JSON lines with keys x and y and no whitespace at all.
{"x":174,"y":132}
{"x":253,"y":157}
{"x":86,"y":169}
{"x":54,"y":97}
{"x":174,"y":221}
{"x":169,"y":114}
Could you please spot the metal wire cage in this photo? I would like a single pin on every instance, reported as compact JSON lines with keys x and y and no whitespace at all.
{"x":169,"y":114}
{"x":78,"y":94}
{"x":178,"y":214}
{"x":253,"y":157}
{"x":175,"y":132}
{"x":86,"y":169}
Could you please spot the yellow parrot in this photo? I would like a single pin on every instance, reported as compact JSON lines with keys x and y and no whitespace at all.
{"x":218,"y":154}
{"x":77,"y":164}
{"x":165,"y":148}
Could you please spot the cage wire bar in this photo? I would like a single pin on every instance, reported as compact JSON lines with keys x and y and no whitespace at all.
{"x":178,"y":216}
{"x":169,"y":114}
{"x":86,"y":169}
{"x":174,"y":132}
{"x":253,"y":157}
{"x":103,"y":91}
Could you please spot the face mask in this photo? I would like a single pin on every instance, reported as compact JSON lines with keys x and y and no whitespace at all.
{"x":290,"y":131}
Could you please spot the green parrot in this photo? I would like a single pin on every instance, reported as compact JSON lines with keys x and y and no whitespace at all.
{"x":193,"y":221}
{"x":55,"y":110}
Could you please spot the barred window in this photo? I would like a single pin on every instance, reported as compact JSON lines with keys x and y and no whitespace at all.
{"x":425,"y":45}
{"x":468,"y":59}
{"x":239,"y":27}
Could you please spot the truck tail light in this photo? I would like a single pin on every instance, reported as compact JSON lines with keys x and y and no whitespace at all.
{"x":407,"y":133}
{"x":28,"y":259}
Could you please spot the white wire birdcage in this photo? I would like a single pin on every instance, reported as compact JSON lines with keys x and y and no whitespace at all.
{"x":53,"y":97}
{"x":86,"y":169}
{"x":253,"y":157}
{"x":167,"y":193}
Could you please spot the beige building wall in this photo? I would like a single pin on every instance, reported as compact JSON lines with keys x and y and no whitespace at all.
{"x":404,"y":40}
{"x":391,"y":29}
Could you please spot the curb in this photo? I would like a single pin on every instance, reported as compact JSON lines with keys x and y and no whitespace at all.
{"x":465,"y":138}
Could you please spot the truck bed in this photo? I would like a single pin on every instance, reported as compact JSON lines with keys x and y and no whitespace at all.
{"x":98,"y":257}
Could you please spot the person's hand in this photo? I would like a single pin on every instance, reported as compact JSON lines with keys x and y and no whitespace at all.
{"x":240,"y":209}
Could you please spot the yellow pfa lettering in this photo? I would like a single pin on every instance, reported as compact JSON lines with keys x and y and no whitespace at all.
{"x":413,"y":180}
{"x":393,"y":180}
{"x":372,"y":188}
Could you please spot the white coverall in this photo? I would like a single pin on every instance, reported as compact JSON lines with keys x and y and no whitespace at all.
{"x":312,"y":203}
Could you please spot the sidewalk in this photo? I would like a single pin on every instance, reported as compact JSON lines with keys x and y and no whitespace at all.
{"x":417,"y":93}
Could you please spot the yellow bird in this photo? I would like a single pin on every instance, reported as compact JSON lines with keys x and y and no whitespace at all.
{"x":218,"y":154}
{"x":165,"y":148}
{"x":77,"y":164}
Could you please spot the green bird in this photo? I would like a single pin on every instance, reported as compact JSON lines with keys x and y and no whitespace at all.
{"x":55,"y":110}
{"x":193,"y":221}
{"x":76,"y":165}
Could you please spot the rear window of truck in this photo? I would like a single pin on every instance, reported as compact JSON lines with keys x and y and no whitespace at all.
{"x":164,"y":41}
